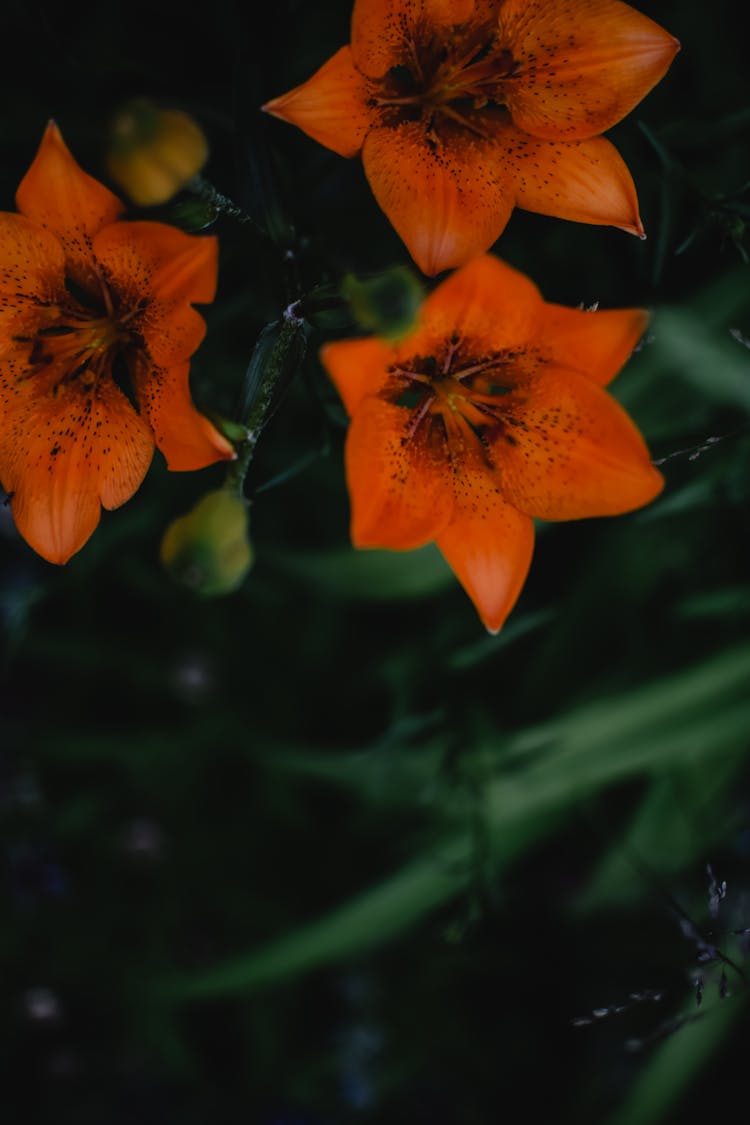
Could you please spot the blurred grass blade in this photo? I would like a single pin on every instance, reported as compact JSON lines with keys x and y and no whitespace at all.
{"x":645,"y":714}
{"x":662,"y":838}
{"x":370,"y":918}
{"x":712,"y":361}
{"x":689,"y":719}
{"x":370,"y":575}
{"x":676,"y":1064}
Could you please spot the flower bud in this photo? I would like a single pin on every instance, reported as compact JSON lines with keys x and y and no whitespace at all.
{"x":154,"y":152}
{"x":386,"y":304}
{"x":208,"y":549}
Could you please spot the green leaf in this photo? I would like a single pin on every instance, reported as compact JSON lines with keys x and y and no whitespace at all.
{"x":709,"y":359}
{"x":687,"y":719}
{"x":372,"y":917}
{"x":662,"y":838}
{"x":674,"y":1066}
{"x":370,"y":575}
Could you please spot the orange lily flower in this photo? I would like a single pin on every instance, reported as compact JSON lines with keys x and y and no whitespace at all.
{"x":490,"y":413}
{"x":463,"y":109}
{"x":85,"y":302}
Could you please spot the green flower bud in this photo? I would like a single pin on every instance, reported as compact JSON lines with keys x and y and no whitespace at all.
{"x":387,"y":304}
{"x":208,"y":549}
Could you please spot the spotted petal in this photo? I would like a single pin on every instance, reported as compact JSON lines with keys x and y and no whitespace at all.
{"x":585,"y":181}
{"x":595,"y":343}
{"x":568,"y":450}
{"x":334,"y":107}
{"x":63,"y":456}
{"x":399,"y":481}
{"x":490,"y":554}
{"x":486,"y":304}
{"x":58,"y":195}
{"x":155,"y":271}
{"x":186,"y":437}
{"x":32,"y":276}
{"x":448,"y":198}
{"x":581,"y":66}
{"x":358,"y":368}
{"x":388,"y":33}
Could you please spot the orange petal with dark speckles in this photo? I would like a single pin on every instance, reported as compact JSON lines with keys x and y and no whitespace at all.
{"x":157,"y":270}
{"x":358,"y":368}
{"x":32,"y":270}
{"x":571,"y":451}
{"x":581,"y":65}
{"x":388,"y":33}
{"x":489,"y":547}
{"x":486,"y":302}
{"x":332,"y":107}
{"x":186,"y":437}
{"x":596,"y":343}
{"x":66,"y":455}
{"x":586,"y":181}
{"x":448,"y":199}
{"x":156,"y":261}
{"x":58,"y":195}
{"x":400,"y":485}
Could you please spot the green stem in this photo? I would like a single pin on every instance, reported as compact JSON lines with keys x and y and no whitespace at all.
{"x":276,"y":359}
{"x":223,"y":204}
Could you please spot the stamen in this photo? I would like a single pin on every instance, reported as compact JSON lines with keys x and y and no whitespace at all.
{"x":413,"y":99}
{"x":449,"y":111}
{"x":414,"y":56}
{"x":475,"y":369}
{"x":449,"y":355}
{"x":416,"y":376}
{"x":419,"y":414}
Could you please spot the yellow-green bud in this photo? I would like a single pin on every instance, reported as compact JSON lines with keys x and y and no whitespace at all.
{"x":154,"y":152}
{"x":208,"y":549}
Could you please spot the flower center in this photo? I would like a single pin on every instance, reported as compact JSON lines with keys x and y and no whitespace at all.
{"x":450,"y":80}
{"x":77,"y":343}
{"x":458,"y":388}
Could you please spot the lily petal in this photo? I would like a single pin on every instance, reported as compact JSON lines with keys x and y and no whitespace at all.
{"x":32,"y":271}
{"x":486,"y":303}
{"x":596,"y":343}
{"x":156,"y":260}
{"x":586,"y":181}
{"x":334,"y":107}
{"x":358,"y":368}
{"x":156,"y":270}
{"x":399,"y":483}
{"x":63,"y":456}
{"x":388,"y":33}
{"x":489,"y":545}
{"x":58,"y":195}
{"x":186,"y":437}
{"x":580,"y":66}
{"x":568,"y":450}
{"x":448,"y":198}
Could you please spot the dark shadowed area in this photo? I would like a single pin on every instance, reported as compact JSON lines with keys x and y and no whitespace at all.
{"x":323,"y":851}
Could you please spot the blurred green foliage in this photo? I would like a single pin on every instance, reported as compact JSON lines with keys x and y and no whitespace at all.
{"x":323,"y":851}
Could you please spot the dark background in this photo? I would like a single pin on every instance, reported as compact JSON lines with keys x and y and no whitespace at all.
{"x":323,"y":851}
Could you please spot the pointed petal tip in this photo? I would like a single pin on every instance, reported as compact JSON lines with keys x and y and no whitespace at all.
{"x":56,"y":542}
{"x":272,"y":107}
{"x":635,"y":228}
{"x":493,"y":615}
{"x":52,"y":135}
